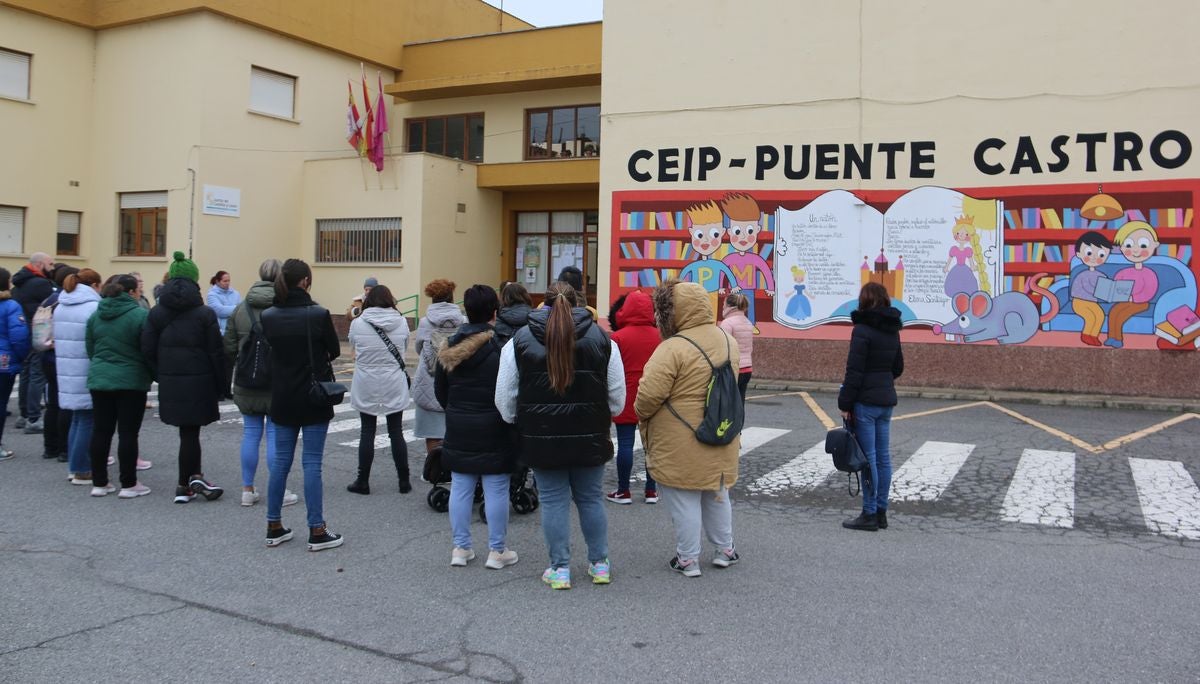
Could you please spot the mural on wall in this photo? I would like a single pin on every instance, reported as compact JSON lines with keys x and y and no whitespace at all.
{"x":1067,"y":265}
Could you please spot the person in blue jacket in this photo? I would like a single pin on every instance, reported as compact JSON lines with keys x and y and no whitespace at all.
{"x":14,"y":346}
{"x":223,"y":299}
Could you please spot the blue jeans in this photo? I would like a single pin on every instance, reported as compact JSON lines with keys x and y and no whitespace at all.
{"x":310,"y":460}
{"x":462,"y":505}
{"x":33,"y":386}
{"x":79,"y":440}
{"x":873,"y":427}
{"x":252,"y":432}
{"x":625,"y":435}
{"x":556,"y":490}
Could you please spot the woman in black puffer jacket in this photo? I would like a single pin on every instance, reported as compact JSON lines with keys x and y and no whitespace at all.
{"x":479,"y":444}
{"x":868,"y":396}
{"x":182,"y":344}
{"x":515,"y":305}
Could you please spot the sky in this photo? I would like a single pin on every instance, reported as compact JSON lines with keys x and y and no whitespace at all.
{"x":542,"y":13}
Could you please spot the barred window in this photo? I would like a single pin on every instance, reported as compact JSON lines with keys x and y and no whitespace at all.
{"x":358,"y":240}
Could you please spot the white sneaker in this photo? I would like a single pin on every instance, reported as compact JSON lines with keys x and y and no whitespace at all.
{"x":144,"y":465}
{"x":102,"y":491}
{"x":134,"y":492}
{"x":112,"y":460}
{"x":5,"y":453}
{"x":250,"y":498}
{"x":501,"y":559}
{"x":460,"y":557}
{"x":79,"y":480}
{"x":289,"y":498}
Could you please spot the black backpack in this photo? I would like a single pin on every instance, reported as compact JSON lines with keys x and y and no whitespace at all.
{"x":724,"y":412}
{"x":848,"y":456}
{"x":253,"y":370}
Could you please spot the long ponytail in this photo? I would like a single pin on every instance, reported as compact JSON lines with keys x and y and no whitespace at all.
{"x":560,"y":337}
{"x":291,"y":274}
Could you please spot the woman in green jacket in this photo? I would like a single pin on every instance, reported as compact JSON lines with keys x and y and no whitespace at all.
{"x":118,"y":379}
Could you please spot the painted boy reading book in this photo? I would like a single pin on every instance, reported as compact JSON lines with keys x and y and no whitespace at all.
{"x":1092,"y":248}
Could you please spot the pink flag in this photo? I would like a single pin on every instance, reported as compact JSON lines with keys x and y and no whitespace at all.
{"x":381,"y":127}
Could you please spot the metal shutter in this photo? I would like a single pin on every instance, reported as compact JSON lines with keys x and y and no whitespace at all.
{"x":14,"y":74}
{"x":12,"y":229}
{"x":272,"y":93}
{"x":143,"y":200}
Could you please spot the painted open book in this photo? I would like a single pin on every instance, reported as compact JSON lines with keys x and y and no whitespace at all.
{"x":928,"y":245}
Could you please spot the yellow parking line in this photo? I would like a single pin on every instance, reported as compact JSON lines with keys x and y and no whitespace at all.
{"x":1133,"y":436}
{"x":768,"y":396}
{"x":1042,"y":426}
{"x":818,"y":411}
{"x":939,"y":410}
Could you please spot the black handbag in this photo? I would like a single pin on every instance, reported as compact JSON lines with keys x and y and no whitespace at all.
{"x":395,"y":352}
{"x":322,"y":392}
{"x":848,"y":456}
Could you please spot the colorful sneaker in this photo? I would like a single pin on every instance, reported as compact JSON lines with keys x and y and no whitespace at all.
{"x":600,"y":572}
{"x":278,"y":535}
{"x":250,"y":498}
{"x":620,"y":496}
{"x":105,"y":490}
{"x":557,"y":578}
{"x":498,"y":560}
{"x":205,"y":488}
{"x":724,"y":558}
{"x":459,"y":557}
{"x":138,"y":489}
{"x":184,"y":495}
{"x":143,"y":464}
{"x":687,"y":569}
{"x":651,"y":496}
{"x":324,"y":539}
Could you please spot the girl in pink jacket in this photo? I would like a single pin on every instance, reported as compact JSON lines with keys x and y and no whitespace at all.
{"x":735,"y":323}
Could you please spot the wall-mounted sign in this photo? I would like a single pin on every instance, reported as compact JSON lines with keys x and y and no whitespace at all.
{"x":220,"y":201}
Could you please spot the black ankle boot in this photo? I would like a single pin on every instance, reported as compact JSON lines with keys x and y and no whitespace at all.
{"x":405,"y":485}
{"x":359,"y":486}
{"x":864,"y":521}
{"x":881,"y":519}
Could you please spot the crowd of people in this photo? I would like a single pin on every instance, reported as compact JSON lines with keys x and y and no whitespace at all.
{"x":499,"y":386}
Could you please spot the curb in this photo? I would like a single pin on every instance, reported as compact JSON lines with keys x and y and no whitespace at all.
{"x":1007,"y":396}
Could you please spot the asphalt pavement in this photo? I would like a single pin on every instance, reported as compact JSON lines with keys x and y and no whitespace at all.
{"x":1027,"y":543}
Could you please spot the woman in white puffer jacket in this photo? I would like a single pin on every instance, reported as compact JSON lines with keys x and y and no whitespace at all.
{"x":76,"y":303}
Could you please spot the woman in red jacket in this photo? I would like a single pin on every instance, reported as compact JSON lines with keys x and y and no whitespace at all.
{"x":637,"y":337}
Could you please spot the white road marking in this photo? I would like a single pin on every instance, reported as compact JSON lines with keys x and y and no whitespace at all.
{"x":806,"y":471}
{"x":382,"y":441}
{"x":929,"y":471}
{"x":1042,"y":491}
{"x":1169,"y":497}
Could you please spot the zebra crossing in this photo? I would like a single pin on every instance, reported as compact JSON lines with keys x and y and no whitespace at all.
{"x":1040,"y":491}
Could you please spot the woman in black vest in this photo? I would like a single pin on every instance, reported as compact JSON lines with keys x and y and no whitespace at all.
{"x":868,"y":396}
{"x":561,"y":381}
{"x":303,"y":342}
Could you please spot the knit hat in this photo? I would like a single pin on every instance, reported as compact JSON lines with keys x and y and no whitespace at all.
{"x":184,"y":267}
{"x":370,"y":282}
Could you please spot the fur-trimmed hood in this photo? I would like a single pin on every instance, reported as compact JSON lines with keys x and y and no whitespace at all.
{"x":469,"y":341}
{"x":679,"y":306}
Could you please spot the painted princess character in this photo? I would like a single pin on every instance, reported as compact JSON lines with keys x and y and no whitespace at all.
{"x":799,"y":307}
{"x":960,"y":267}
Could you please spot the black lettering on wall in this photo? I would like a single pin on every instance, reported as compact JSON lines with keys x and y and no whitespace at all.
{"x":1181,"y":158}
{"x":861,"y":164}
{"x":766,"y":157}
{"x":1026,"y":157}
{"x":827,"y":162}
{"x":668,"y":161}
{"x":982,"y":163}
{"x":637,"y":156}
{"x":889,"y":150}
{"x":920,"y":154}
{"x":1060,"y":158}
{"x":1128,"y":145}
{"x":710,"y":158}
{"x":1089,"y":140}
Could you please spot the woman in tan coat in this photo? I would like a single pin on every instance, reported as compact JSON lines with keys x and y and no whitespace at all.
{"x":694,"y":478}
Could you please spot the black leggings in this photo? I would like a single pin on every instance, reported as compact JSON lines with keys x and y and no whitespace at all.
{"x":189,"y":453}
{"x":119,"y":411}
{"x":743,"y":383}
{"x":366,"y":444}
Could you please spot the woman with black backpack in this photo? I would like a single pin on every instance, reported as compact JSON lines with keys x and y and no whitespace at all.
{"x":252,"y":391}
{"x":303,"y":342}
{"x":380,"y":388}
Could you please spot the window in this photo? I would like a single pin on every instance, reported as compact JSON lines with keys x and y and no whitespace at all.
{"x":549,"y":240}
{"x":459,"y":136}
{"x":143,"y":224}
{"x":68,"y":232}
{"x":358,"y":240}
{"x":14,"y":74}
{"x":563,"y":132}
{"x":12,"y":229}
{"x":272,"y":93}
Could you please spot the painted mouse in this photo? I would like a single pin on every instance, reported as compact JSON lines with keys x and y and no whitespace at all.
{"x":1010,"y":318}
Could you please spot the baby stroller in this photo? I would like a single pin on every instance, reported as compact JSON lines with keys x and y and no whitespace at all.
{"x":522,"y":491}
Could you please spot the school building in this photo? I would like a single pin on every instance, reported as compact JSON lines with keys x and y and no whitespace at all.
{"x":1022,"y":178}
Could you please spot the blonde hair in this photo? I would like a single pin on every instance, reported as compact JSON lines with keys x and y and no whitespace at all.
{"x":705,"y":213}
{"x":967,"y":223}
{"x":739,"y":206}
{"x":1132,"y":227}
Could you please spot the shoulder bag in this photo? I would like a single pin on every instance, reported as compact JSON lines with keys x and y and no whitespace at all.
{"x":321,"y":392}
{"x":395,"y":352}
